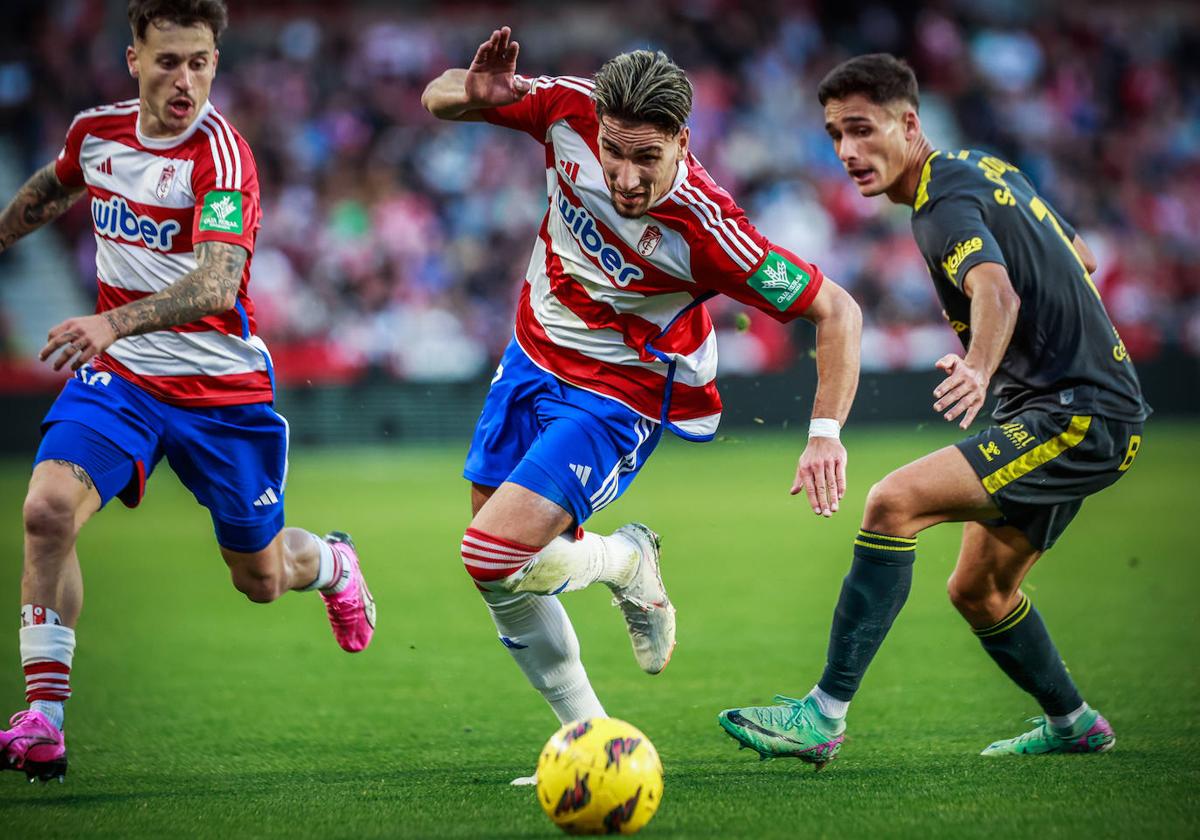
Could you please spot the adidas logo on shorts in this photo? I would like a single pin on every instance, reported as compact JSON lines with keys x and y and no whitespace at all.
{"x":267,"y":498}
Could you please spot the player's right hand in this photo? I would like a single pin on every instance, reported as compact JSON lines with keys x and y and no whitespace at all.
{"x":492,"y":78}
{"x":962,"y":393}
{"x":80,"y":339}
{"x":821,"y":474}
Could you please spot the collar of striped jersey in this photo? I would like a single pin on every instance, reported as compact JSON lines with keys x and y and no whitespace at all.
{"x":172,"y":142}
{"x":681,"y":174}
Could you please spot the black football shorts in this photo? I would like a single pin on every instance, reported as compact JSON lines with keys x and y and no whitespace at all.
{"x":1039,"y":466}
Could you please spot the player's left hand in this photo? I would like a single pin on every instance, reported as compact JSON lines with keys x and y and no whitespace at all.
{"x":821,"y":474}
{"x":963,"y":392}
{"x":81,"y":339}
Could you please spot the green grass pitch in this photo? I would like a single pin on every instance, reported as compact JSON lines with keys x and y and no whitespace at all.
{"x":198,"y":714}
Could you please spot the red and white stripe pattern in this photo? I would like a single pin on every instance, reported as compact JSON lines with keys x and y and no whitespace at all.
{"x":490,"y":559}
{"x":613,"y":307}
{"x":47,"y":679}
{"x":47,"y":649}
{"x":146,"y":199}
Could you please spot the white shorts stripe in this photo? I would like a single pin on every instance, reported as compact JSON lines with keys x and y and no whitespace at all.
{"x":611,"y":484}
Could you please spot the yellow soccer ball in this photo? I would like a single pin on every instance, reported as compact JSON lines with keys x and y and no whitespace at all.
{"x":599,"y":776}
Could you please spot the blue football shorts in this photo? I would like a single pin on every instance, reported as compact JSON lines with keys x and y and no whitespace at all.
{"x":232,"y":458}
{"x":575,"y":448}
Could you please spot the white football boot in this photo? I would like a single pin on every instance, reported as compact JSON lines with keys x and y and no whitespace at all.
{"x":649,"y":615}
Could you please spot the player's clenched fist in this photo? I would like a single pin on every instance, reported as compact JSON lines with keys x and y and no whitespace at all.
{"x":821,"y":474}
{"x":491,"y":79}
{"x":80,"y":338}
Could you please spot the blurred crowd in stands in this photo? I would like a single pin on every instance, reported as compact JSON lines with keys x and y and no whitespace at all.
{"x":394,"y":243}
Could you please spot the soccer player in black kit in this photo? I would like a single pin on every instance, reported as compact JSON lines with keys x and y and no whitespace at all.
{"x":1014,"y":280}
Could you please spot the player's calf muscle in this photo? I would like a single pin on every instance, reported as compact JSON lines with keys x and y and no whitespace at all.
{"x":980,"y":601}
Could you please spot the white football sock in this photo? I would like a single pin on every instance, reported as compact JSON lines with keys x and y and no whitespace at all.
{"x":567,"y":564}
{"x":1064,"y":723}
{"x":54,"y":710}
{"x":327,"y":567}
{"x":539,"y":635}
{"x":830,"y":707}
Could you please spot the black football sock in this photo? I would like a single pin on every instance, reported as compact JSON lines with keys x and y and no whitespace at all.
{"x":1022,"y":647}
{"x":873,"y":592}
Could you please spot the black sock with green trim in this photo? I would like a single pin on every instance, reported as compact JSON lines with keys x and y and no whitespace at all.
{"x":1022,"y":648}
{"x":873,"y":592}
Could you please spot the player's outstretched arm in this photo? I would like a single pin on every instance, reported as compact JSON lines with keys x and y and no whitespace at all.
{"x":210,"y":289}
{"x":42,"y":199}
{"x":490,"y":81}
{"x":994,"y":307}
{"x":821,"y":473}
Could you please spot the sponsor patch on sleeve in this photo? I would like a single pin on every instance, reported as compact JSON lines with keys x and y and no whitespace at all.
{"x":222,"y":212}
{"x":780,"y":281}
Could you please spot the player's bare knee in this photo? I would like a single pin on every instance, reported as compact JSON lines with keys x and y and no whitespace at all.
{"x":887,"y":510}
{"x":49,"y":516}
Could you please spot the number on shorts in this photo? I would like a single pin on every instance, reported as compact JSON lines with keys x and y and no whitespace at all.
{"x":1135,"y":443}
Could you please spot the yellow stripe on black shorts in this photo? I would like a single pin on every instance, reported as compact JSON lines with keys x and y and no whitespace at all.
{"x":1039,"y":455}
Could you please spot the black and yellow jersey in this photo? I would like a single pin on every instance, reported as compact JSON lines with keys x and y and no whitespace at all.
{"x":972,"y":208}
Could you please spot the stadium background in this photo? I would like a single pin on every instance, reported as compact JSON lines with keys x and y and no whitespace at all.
{"x":387,"y":269}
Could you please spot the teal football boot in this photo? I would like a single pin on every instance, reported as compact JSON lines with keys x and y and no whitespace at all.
{"x":794,"y":729}
{"x":1090,"y":734}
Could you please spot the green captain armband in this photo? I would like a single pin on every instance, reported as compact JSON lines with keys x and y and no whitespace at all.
{"x":779,"y":280}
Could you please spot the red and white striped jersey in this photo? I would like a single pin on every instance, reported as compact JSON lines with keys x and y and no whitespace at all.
{"x":615,"y":305}
{"x":152,"y":201}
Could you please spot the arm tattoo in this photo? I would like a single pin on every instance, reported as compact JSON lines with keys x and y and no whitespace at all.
{"x":77,"y":471}
{"x":210,"y":289}
{"x":42,"y":199}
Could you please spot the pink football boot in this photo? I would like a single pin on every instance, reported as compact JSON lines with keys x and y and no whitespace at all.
{"x":351,"y":611}
{"x":33,"y":744}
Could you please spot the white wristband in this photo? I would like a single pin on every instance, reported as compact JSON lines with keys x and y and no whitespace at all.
{"x":824,"y":427}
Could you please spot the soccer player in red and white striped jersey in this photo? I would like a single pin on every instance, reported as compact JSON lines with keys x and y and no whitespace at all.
{"x":169,"y":364}
{"x":613,"y":344}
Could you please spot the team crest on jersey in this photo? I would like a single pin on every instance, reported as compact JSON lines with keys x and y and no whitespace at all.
{"x":649,"y":240}
{"x":165,"y":179}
